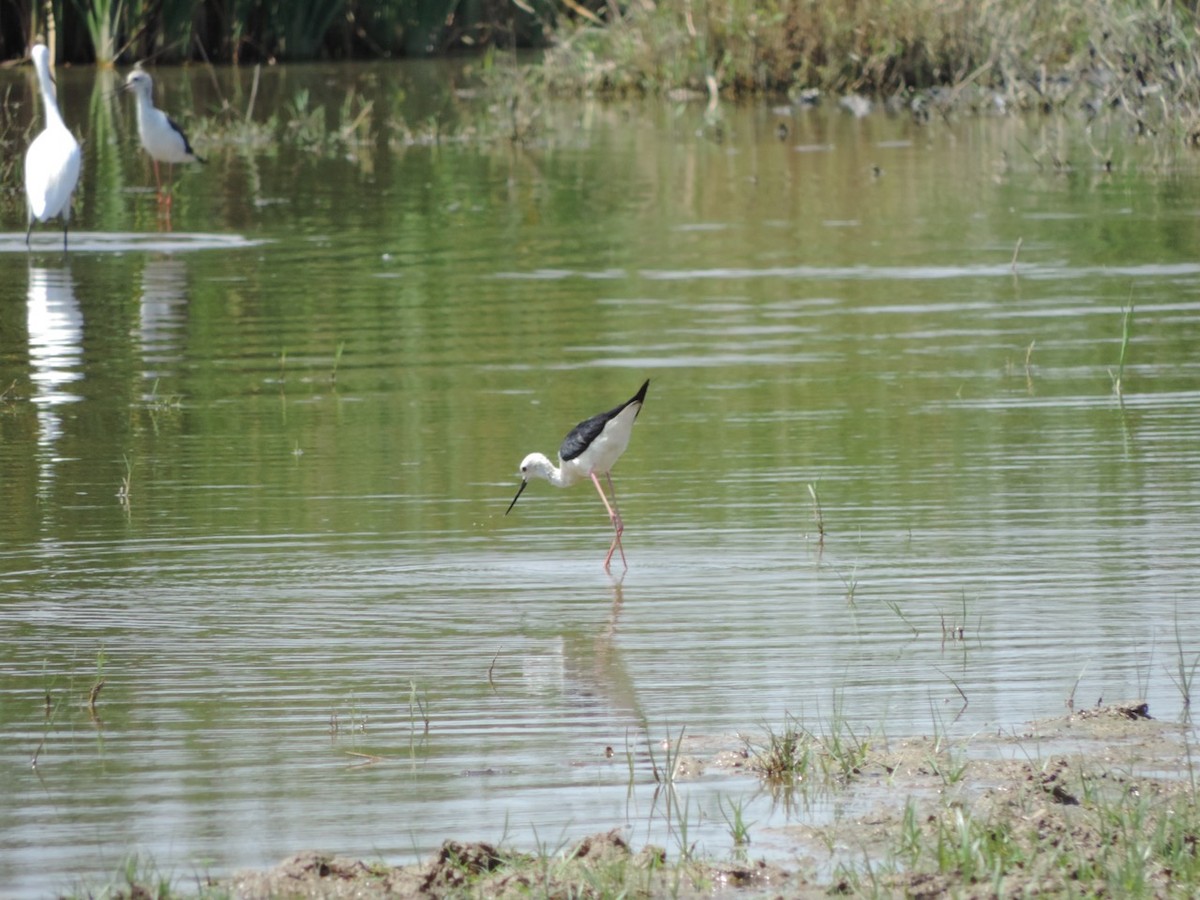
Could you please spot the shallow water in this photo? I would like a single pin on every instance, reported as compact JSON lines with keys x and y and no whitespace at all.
{"x":256,"y":448}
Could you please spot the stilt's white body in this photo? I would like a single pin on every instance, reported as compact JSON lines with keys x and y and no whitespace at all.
{"x":591,"y":449}
{"x":599,"y":457}
{"x":53,"y":160}
{"x":161,"y":138}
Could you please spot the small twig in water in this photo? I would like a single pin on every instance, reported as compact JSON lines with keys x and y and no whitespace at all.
{"x":895,"y":607}
{"x":1016,"y":251}
{"x":50,"y":716}
{"x":1187,"y":673}
{"x":1071,"y":696}
{"x":1126,"y":331}
{"x":126,"y":489}
{"x":817,"y":513}
{"x":101,"y":658}
{"x":93,"y":695}
{"x":337,"y":359}
{"x":851,"y":585}
{"x":491,"y":669}
{"x":422,"y":708}
{"x":961,"y":693}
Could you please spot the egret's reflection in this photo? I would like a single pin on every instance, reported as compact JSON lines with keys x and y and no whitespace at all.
{"x":55,"y":327}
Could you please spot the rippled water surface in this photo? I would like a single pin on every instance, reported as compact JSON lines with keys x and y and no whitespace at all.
{"x":256,"y":448}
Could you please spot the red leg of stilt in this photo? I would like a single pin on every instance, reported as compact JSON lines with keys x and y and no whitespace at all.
{"x":615,"y":517}
{"x":612,"y":492}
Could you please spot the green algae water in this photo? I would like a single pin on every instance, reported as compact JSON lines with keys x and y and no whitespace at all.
{"x":256,"y":446}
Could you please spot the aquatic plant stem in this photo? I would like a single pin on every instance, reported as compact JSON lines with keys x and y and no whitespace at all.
{"x":818,"y":515}
{"x":1118,"y":380}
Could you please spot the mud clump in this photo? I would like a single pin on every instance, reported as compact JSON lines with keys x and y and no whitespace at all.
{"x":480,"y":869}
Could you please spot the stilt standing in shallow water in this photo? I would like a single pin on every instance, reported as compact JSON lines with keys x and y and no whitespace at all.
{"x":591,"y":449}
{"x":161,"y":138}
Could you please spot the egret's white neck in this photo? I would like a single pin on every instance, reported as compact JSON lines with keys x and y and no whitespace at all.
{"x":49,"y":96}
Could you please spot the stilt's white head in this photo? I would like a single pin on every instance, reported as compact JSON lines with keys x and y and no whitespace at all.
{"x":535,"y":465}
{"x":140,"y":83}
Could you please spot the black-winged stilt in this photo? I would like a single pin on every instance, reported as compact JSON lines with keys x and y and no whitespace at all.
{"x":161,"y":138}
{"x":590,"y":449}
{"x":53,"y":159}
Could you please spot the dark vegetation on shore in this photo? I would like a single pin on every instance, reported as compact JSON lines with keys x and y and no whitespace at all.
{"x":1135,"y":59}
{"x":1019,"y":53}
{"x":122,"y":32}
{"x":924,"y":57}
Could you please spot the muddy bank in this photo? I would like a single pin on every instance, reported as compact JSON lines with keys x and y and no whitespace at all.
{"x":1060,"y":806}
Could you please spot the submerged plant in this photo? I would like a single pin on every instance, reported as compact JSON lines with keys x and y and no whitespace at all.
{"x":895,"y":607}
{"x":845,"y":753}
{"x":850,"y":582}
{"x":818,"y":515}
{"x":417,"y":705}
{"x":739,"y":828}
{"x":785,"y":755}
{"x":1126,"y":330}
{"x":97,"y":685}
{"x":1185,"y":672}
{"x":797,"y":753}
{"x":337,"y":361}
{"x":125,"y":491}
{"x":677,"y":818}
{"x":6,"y":396}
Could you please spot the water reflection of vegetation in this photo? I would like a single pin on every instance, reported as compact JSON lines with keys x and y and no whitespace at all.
{"x":498,"y":101}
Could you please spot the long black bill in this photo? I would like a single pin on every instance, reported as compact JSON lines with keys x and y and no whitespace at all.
{"x":524,"y":484}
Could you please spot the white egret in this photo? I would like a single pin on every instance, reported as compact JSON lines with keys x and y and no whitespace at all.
{"x":53,"y":160}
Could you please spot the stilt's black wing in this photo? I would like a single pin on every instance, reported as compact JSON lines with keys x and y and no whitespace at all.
{"x":588,"y":430}
{"x":186,"y":145}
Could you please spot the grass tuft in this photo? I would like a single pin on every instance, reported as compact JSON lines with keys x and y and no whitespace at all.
{"x":795,"y":754}
{"x":739,"y":828}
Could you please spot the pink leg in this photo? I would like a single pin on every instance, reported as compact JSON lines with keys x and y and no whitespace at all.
{"x":614,"y":517}
{"x":612,"y":492}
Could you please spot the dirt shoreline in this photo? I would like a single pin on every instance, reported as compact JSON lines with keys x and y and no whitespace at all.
{"x":1049,"y":793}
